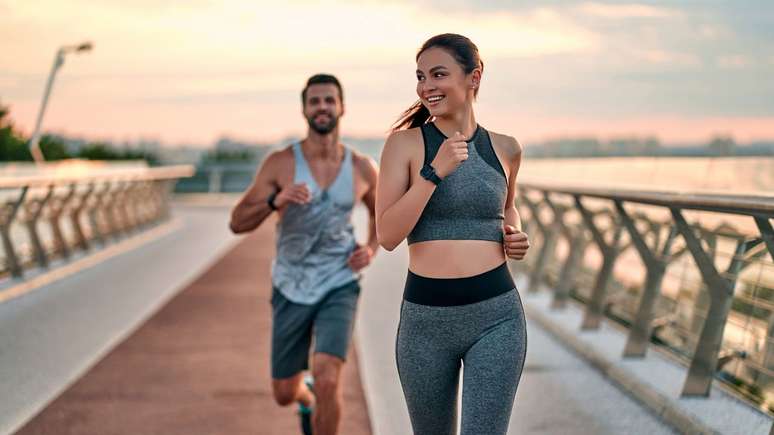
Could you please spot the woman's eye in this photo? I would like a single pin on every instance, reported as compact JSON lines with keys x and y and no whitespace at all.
{"x":436,"y":75}
{"x":420,"y":78}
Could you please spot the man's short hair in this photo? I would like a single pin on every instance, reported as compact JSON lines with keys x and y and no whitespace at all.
{"x":318,"y":79}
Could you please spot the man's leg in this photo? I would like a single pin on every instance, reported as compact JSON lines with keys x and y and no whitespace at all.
{"x":291,"y":339}
{"x":332,"y":331}
{"x":288,"y":391}
{"x":326,"y":370}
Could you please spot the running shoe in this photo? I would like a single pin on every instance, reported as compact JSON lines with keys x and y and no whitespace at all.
{"x":304,"y":412}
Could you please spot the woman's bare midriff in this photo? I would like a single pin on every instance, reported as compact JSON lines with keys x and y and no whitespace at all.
{"x":454,"y":258}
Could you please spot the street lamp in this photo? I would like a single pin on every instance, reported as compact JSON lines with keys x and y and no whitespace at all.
{"x":37,"y":155}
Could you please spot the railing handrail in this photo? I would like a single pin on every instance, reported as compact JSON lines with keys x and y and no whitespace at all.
{"x":746,"y":203}
{"x":133,"y":174}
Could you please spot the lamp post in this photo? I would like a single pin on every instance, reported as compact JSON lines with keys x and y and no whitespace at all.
{"x":37,"y":155}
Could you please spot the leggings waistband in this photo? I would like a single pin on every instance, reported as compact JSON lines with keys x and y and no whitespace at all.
{"x":458,"y":291}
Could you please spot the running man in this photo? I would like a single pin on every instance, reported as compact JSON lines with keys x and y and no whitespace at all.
{"x":313,"y":186}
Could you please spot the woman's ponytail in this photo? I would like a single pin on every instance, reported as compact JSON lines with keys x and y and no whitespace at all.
{"x":414,"y":116}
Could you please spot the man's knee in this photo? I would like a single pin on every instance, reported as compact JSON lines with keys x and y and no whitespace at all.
{"x":285,"y":390}
{"x":327,"y":373}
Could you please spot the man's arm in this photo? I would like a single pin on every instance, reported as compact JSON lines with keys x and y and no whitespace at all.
{"x":252,"y":209}
{"x":371,"y":174}
{"x":361,"y":257}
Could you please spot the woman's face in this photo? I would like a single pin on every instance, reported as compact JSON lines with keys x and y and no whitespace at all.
{"x":442,"y":85}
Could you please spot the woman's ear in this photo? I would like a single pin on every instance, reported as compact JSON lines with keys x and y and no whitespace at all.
{"x":475,"y":77}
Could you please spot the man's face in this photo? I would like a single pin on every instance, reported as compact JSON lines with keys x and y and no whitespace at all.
{"x":323,"y":107}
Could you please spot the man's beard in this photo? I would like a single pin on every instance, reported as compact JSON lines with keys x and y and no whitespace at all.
{"x":323,"y":128}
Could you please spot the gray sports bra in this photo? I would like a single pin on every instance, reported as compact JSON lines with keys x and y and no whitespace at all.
{"x":469,"y":203}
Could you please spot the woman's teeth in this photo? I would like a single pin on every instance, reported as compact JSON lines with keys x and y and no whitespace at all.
{"x":435,"y":98}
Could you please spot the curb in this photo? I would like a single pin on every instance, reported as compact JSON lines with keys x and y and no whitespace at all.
{"x":663,"y":406}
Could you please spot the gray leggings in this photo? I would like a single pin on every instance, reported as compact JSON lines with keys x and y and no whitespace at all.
{"x":488,"y":338}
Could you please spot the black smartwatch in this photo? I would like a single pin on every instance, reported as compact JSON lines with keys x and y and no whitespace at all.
{"x":428,"y":173}
{"x":270,"y":200}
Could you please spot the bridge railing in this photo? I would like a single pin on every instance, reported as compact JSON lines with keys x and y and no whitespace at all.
{"x":56,"y":214}
{"x":690,"y":271}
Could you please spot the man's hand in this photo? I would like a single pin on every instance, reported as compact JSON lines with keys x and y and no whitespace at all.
{"x":360,"y":257}
{"x":294,"y":193}
{"x":516,"y":243}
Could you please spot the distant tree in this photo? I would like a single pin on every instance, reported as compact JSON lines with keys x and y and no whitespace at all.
{"x":222,"y":156}
{"x":53,"y":148}
{"x":139,"y":154}
{"x":722,"y":146}
{"x":652,"y":146}
{"x":12,"y":145}
{"x":103,"y":151}
{"x":97,"y":151}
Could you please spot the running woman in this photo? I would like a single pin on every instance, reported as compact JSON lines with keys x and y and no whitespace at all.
{"x":447,"y":186}
{"x":313,"y":186}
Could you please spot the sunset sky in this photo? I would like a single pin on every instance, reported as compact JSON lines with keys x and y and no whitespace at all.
{"x":191,"y":71}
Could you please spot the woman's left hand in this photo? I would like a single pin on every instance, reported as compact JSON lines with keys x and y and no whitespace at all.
{"x":516,"y":243}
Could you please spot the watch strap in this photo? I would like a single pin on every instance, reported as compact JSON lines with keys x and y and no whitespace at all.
{"x":428,"y":173}
{"x":270,"y":200}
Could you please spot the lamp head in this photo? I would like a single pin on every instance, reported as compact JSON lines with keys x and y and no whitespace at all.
{"x":85,"y":46}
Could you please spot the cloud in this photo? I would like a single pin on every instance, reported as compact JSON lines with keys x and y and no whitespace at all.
{"x":671,"y":58}
{"x":631,"y":10}
{"x":733,"y":61}
{"x":713,"y":32}
{"x":168,"y":62}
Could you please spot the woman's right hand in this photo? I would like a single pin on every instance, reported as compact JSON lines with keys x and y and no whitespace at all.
{"x":452,"y":152}
{"x":293,"y":193}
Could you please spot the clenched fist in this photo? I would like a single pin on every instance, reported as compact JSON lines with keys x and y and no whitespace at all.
{"x":452,"y":152}
{"x":516,"y":243}
{"x":293,"y":193}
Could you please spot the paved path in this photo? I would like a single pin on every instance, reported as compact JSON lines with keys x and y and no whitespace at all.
{"x":51,"y":335}
{"x":198,"y":366}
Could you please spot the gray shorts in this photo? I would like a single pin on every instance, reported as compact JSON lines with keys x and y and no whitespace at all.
{"x":330,"y":321}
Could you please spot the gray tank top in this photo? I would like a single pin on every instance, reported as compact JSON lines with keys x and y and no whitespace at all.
{"x":315,"y":240}
{"x":469,"y":203}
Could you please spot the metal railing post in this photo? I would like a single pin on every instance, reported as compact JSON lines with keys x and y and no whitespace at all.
{"x":721,"y":289}
{"x":10,"y":209}
{"x":546,"y":248}
{"x":596,"y":306}
{"x":56,"y":207}
{"x":655,"y":261}
{"x":75,"y":217}
{"x":576,"y":244}
{"x":32,"y":211}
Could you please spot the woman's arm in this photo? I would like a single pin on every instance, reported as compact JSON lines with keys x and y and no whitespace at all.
{"x":514,"y":162}
{"x":515,"y":241}
{"x":398,"y":205}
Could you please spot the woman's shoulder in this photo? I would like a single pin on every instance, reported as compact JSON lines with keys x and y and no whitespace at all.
{"x":404,"y":141}
{"x":507,"y":144}
{"x":407,"y":137}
